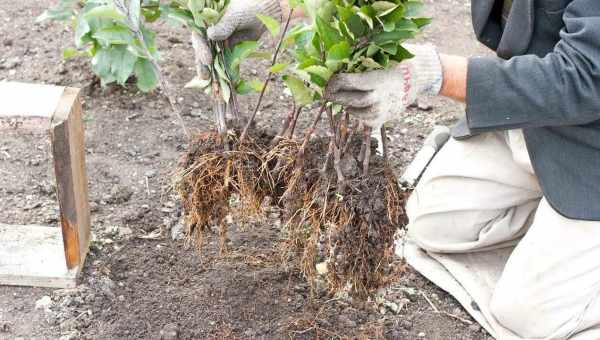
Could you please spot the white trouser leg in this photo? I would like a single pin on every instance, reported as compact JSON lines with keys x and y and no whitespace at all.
{"x":550,"y":286}
{"x":476,"y":195}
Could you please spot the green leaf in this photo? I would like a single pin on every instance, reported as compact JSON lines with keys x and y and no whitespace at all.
{"x":272,"y":25}
{"x":366,"y":18}
{"x":320,"y":71}
{"x":301,"y":93}
{"x":104,"y":12}
{"x":248,"y":86}
{"x":401,"y":54}
{"x":82,"y":28}
{"x":147,"y":77}
{"x":210,"y":16}
{"x":278,"y":67}
{"x":257,"y":85}
{"x":69,"y":53}
{"x":413,"y":9}
{"x":421,"y":22}
{"x":356,"y":26}
{"x":179,"y":16}
{"x":370,"y":64}
{"x":198,"y":84}
{"x":328,"y":34}
{"x":244,"y":88}
{"x":114,"y":35}
{"x":240,"y":52}
{"x":62,"y":12}
{"x":383,"y":7}
{"x":397,"y":35}
{"x":339,"y":51}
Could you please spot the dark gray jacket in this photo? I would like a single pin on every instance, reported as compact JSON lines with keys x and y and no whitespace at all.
{"x":545,"y":80}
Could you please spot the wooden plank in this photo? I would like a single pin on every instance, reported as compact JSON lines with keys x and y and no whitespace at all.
{"x":33,"y":256}
{"x":68,"y":148}
{"x":28,"y":106}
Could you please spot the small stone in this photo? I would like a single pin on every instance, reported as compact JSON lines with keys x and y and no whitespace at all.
{"x":178,"y":231}
{"x":125,"y":231}
{"x":396,"y":335}
{"x":44,"y":303}
{"x":8,"y":42}
{"x":421,"y":335}
{"x":475,"y":327}
{"x":322,"y":268}
{"x":107,"y":285}
{"x":10,"y":64}
{"x":405,"y":324}
{"x":121,"y":298}
{"x":423,"y":106}
{"x":346,"y":321}
{"x":170,"y":332}
{"x":410,"y":293}
{"x":393,"y":307}
{"x":4,"y":328}
{"x":174,"y":40}
{"x":151,"y":173}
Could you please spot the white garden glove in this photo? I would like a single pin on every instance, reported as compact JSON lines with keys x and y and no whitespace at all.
{"x":377,"y":97}
{"x":240,"y":23}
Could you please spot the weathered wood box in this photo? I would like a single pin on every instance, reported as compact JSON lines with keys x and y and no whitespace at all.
{"x":48,"y":256}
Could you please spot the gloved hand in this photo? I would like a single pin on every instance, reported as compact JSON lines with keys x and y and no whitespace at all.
{"x":239,"y":22}
{"x":377,"y":97}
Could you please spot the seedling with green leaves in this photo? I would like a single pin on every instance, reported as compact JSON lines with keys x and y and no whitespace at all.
{"x":352,"y":202}
{"x":115,"y":35}
{"x":348,"y":36}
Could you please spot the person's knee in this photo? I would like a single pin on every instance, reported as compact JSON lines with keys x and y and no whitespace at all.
{"x":519,"y":310}
{"x":425,"y":231}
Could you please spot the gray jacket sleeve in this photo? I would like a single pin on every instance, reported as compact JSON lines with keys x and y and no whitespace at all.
{"x":563,"y":88}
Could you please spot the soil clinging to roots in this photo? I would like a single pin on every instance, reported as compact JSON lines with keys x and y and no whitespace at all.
{"x":348,"y":225}
{"x":210,"y":177}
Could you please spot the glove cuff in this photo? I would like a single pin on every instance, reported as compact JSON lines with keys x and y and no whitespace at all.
{"x":271,"y":8}
{"x":426,"y":69}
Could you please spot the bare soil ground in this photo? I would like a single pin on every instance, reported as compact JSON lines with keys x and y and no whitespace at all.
{"x":139,"y":283}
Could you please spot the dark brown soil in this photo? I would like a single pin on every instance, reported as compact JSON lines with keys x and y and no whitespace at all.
{"x":138,"y":282}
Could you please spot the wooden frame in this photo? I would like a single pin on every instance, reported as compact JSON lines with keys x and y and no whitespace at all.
{"x":47,"y":256}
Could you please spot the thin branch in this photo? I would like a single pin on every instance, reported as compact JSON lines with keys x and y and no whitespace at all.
{"x":266,"y":83}
{"x":134,"y":28}
{"x":337,"y":163}
{"x":330,"y":151}
{"x":384,"y":143}
{"x":294,"y":122}
{"x":313,"y":127}
{"x":367,"y":144}
{"x":286,"y":125}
